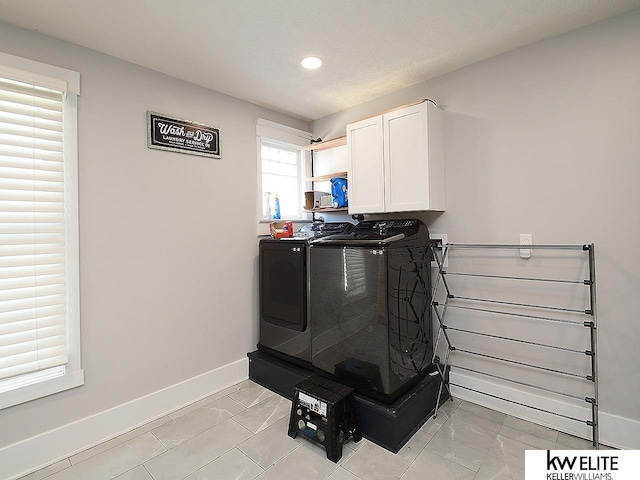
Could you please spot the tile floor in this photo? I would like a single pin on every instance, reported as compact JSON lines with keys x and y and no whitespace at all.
{"x":241,"y":433}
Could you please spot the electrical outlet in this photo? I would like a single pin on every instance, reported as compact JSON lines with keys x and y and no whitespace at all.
{"x":526,"y":239}
{"x":443,"y":240}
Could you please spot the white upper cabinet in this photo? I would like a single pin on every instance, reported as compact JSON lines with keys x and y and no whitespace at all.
{"x":396,"y":161}
{"x":365,"y":166}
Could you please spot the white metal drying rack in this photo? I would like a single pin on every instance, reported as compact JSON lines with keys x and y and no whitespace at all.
{"x":440,"y":253}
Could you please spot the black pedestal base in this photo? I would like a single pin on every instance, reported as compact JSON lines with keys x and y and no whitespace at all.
{"x":388,"y":425}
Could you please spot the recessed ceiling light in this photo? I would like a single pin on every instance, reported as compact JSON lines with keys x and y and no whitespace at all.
{"x":311,"y":63}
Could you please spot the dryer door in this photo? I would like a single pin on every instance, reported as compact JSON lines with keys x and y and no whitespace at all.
{"x":283,"y":295}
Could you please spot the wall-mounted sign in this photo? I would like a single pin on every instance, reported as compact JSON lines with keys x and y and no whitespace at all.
{"x":183,"y":136}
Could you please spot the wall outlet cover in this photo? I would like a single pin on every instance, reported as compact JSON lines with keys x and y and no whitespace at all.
{"x":526,"y":239}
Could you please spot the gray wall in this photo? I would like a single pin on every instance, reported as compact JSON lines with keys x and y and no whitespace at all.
{"x":545,"y":140}
{"x":168,"y":241}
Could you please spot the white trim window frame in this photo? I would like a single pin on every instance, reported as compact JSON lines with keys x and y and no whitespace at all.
{"x":274,"y":134}
{"x":46,"y":380}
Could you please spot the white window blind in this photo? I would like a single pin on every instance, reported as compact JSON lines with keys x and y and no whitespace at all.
{"x":33,"y":282}
{"x":282,"y":176}
{"x":282,"y":166}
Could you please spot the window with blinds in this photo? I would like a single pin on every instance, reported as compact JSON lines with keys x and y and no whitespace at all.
{"x":34,"y":234}
{"x":282,"y":177}
{"x":32,"y":230}
{"x":282,"y":166}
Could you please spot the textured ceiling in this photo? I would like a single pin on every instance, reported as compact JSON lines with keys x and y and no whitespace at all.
{"x":251,"y":49}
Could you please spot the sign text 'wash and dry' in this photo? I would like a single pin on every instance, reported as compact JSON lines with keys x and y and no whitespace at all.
{"x":184,"y":136}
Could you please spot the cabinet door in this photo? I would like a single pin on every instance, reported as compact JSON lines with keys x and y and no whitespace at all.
{"x":406,"y":159}
{"x":365,"y":166}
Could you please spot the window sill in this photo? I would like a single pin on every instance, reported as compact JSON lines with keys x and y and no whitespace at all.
{"x":42,"y":389}
{"x":294,"y":220}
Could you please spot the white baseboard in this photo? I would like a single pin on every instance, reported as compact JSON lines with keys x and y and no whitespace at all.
{"x":49,"y":447}
{"x":615,"y":431}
